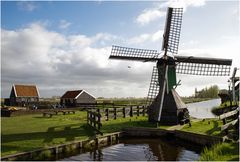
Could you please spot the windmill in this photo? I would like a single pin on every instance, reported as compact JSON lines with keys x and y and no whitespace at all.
{"x":163,"y":103}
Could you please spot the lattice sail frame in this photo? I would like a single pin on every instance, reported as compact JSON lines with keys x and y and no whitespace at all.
{"x":203,"y":69}
{"x":172,"y":30}
{"x":203,"y":66}
{"x":154,"y":87}
{"x":125,"y":53}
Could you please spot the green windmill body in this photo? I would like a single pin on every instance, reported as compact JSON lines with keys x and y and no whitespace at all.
{"x":172,"y":79}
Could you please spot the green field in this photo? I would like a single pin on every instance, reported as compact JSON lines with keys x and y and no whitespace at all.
{"x":29,"y":132}
{"x":221,"y":152}
{"x":207,"y":126}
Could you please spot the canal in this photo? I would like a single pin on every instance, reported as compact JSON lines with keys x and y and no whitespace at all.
{"x":203,"y":109}
{"x":142,"y":149}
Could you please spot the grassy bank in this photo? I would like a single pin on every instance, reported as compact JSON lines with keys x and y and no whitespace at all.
{"x":206,"y":126}
{"x":221,"y":152}
{"x":29,"y":132}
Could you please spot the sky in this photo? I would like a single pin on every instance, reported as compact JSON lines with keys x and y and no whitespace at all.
{"x":63,"y":45}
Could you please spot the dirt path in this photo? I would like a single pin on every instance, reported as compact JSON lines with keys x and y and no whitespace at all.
{"x":179,"y":127}
{"x":176,"y":127}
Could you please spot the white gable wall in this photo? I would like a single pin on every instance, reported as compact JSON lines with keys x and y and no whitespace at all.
{"x":85,"y":98}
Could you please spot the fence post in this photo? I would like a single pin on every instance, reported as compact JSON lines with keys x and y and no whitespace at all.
{"x":137,"y":110}
{"x":131,"y":111}
{"x":90,"y":118}
{"x":143,"y":111}
{"x":87,"y":117}
{"x":99,"y":119}
{"x":107,"y":113}
{"x":124,"y":112}
{"x":98,"y":110}
{"x":224,"y":122}
{"x":94,"y":121}
{"x":115,"y":113}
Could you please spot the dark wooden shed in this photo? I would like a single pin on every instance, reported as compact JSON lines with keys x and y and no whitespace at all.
{"x":24,"y":95}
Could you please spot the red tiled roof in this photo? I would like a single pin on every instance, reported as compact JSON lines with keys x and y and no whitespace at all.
{"x":26,"y":91}
{"x":71,"y":94}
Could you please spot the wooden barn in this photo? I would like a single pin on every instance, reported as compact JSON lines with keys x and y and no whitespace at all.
{"x":24,"y":95}
{"x":77,"y":97}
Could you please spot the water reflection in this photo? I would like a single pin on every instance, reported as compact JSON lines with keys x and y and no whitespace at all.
{"x":142,"y":149}
{"x":203,"y":109}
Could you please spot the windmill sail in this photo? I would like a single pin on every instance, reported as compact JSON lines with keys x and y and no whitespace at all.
{"x":203,"y":66}
{"x":133,"y":54}
{"x":153,"y":88}
{"x":172,"y":30}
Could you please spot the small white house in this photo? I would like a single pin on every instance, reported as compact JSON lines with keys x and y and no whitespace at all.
{"x":77,"y":97}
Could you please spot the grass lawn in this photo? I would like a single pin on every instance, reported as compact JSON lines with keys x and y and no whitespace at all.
{"x":221,"y":152}
{"x":29,"y":132}
{"x":208,"y":127}
{"x":24,"y":133}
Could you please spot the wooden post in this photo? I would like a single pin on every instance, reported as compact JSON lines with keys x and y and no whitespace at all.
{"x":98,"y":111}
{"x":137,"y":110}
{"x":94,"y":121}
{"x":90,"y":118}
{"x":224,"y":122}
{"x":107,"y":113}
{"x":143,"y":111}
{"x":87,"y":117}
{"x":99,"y":122}
{"x":131,"y":111}
{"x":124,"y":112}
{"x":115,"y":113}
{"x":98,"y":118}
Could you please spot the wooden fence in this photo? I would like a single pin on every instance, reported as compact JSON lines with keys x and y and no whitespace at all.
{"x":94,"y":120}
{"x":96,"y":115}
{"x":230,"y":119}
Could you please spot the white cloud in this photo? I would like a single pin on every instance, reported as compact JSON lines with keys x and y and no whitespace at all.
{"x":143,"y":38}
{"x":27,"y":6}
{"x":149,"y":15}
{"x":57,"y":63}
{"x":183,"y":3}
{"x":64,"y":24}
{"x":152,"y":14}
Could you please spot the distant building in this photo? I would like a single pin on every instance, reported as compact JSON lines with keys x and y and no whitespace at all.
{"x":24,"y":95}
{"x":77,"y":97}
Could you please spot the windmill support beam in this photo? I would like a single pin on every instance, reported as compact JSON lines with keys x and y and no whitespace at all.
{"x":162,"y":92}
